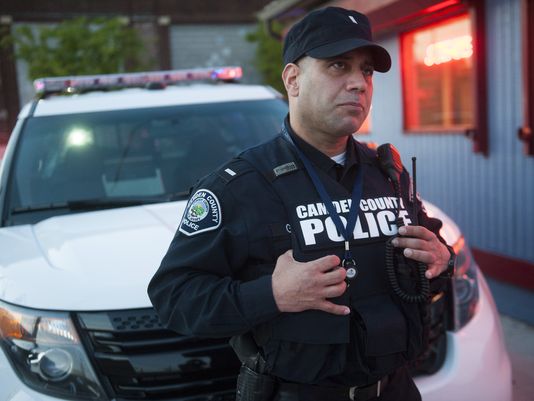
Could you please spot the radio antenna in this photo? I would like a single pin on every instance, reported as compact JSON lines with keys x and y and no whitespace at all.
{"x":415,"y":210}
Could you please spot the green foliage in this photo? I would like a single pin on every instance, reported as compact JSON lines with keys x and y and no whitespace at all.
{"x":78,"y":47}
{"x":268,"y":56}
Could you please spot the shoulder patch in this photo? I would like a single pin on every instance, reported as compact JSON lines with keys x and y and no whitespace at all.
{"x":202,"y":213}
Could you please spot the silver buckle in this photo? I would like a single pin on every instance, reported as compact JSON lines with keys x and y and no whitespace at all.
{"x":352,"y":393}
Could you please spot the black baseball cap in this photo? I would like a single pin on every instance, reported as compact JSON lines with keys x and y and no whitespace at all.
{"x":332,"y":31}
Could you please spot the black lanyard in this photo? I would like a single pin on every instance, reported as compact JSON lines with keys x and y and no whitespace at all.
{"x":346,"y":231}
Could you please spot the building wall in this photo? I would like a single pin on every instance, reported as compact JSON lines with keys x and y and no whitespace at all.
{"x":491,"y":198}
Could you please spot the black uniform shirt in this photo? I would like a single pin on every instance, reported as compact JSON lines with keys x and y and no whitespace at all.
{"x":215,"y":282}
{"x":210,"y":262}
{"x":216,"y":277}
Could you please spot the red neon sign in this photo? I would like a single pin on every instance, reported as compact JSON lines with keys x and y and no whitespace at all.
{"x":447,"y":50}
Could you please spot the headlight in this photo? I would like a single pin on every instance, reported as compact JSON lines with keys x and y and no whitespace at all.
{"x":465,"y":285}
{"x":46,"y":353}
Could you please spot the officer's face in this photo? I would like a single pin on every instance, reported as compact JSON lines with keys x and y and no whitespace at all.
{"x":334,"y":95}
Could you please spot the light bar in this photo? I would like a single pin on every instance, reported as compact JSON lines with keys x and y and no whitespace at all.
{"x":45,"y":86}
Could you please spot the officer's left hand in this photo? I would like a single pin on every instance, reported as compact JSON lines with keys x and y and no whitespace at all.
{"x":422,"y":245}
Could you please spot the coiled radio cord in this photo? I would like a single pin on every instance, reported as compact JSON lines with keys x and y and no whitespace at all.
{"x":401,"y":266}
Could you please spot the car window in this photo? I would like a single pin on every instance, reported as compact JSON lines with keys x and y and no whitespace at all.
{"x":134,"y":153}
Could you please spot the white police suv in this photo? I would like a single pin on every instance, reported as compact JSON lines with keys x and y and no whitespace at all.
{"x":93,"y":184}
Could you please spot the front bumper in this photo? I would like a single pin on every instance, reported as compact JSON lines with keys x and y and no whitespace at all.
{"x":477,"y":366}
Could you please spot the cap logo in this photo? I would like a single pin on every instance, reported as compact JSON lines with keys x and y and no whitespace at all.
{"x":330,"y":32}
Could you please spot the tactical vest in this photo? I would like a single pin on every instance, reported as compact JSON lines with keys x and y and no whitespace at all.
{"x":381,"y":333}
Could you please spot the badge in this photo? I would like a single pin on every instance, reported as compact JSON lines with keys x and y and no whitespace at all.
{"x":202,"y":213}
{"x":350,"y":267}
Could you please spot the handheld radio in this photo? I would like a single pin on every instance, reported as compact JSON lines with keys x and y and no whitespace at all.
{"x":406,"y":277}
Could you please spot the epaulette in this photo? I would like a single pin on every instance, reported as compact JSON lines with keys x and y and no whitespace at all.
{"x":273,"y":159}
{"x":233,"y":169}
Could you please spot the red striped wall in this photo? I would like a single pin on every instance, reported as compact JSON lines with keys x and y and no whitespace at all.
{"x":513,"y":271}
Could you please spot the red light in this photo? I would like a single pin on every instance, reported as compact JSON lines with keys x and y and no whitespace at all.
{"x":228,"y":73}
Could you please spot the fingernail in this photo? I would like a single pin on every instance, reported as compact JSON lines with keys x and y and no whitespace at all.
{"x":428,"y":274}
{"x":408,"y":252}
{"x":395,"y":242}
{"x":402,"y":230}
{"x":346,"y":311}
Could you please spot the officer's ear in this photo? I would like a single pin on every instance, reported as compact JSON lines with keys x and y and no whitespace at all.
{"x":290,"y":77}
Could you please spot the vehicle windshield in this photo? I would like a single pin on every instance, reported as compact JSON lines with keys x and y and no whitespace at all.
{"x":151,"y":154}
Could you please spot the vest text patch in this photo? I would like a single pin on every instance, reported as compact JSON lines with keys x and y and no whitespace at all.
{"x":376,"y":218}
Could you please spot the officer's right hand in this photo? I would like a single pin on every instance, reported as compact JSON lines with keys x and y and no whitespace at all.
{"x":301,"y":286}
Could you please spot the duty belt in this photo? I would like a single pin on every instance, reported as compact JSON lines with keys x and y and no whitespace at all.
{"x":310,"y":392}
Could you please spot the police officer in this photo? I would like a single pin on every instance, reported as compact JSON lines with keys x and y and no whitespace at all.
{"x":284,"y":248}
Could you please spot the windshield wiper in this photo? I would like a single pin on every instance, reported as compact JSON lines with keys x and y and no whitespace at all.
{"x":100,"y":203}
{"x":88,"y":204}
{"x":39,"y":208}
